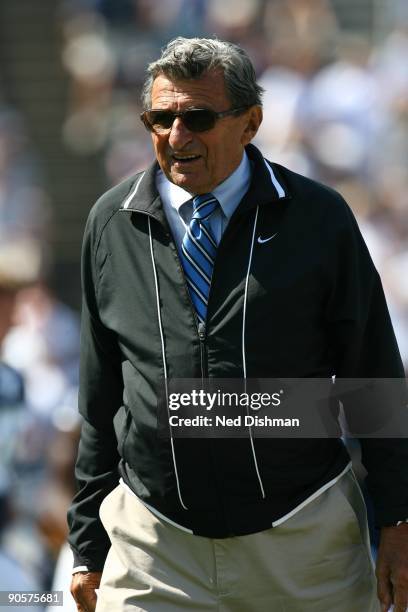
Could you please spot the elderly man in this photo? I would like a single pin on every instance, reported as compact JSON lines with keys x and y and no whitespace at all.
{"x":217,"y":263}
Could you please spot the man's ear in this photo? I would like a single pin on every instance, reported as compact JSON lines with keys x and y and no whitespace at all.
{"x":253,"y":121}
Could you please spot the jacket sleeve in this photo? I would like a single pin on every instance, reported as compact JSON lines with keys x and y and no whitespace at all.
{"x":100,"y":396}
{"x":364,"y":347}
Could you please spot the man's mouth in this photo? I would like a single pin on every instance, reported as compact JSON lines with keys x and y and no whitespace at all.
{"x":185,"y":158}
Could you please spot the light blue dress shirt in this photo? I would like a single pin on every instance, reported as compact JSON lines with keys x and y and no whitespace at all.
{"x":178,"y":204}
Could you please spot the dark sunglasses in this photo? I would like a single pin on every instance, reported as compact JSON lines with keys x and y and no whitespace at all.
{"x":195,"y":119}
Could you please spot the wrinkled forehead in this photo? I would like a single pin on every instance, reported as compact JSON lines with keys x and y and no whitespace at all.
{"x":207,"y":91}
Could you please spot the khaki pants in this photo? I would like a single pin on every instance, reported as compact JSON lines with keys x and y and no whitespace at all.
{"x":317,"y":561}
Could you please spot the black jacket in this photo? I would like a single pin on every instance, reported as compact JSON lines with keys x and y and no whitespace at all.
{"x":314,"y":308}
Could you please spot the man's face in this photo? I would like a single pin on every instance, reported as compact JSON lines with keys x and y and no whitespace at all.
{"x":218,"y":151}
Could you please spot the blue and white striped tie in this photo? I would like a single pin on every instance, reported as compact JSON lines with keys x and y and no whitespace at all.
{"x":198,"y":252}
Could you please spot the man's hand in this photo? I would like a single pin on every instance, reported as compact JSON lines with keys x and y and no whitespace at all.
{"x":83,"y":587}
{"x":392,"y":568}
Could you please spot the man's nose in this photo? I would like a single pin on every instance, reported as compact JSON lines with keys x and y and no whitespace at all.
{"x":179,"y":134}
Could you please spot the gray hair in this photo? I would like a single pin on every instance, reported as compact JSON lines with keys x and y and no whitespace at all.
{"x":191,"y":58}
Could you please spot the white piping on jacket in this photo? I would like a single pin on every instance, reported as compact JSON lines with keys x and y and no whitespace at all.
{"x":243,"y":347}
{"x":132,"y":194}
{"x":276,"y":184}
{"x":281,"y":194}
{"x":164,"y":361}
{"x":312,"y":497}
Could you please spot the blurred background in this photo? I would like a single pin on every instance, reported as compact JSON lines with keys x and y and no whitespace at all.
{"x":336,"y":109}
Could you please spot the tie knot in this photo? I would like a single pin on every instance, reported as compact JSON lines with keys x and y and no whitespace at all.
{"x":204,"y":205}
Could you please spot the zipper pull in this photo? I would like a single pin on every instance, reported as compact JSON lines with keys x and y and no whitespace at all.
{"x":201,"y":331}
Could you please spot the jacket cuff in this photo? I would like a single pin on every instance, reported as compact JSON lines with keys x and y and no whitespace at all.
{"x":80,"y":568}
{"x":87,"y":564}
{"x":390,"y":517}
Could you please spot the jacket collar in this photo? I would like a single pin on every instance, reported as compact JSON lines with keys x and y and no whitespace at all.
{"x":143,"y":195}
{"x":266,"y":186}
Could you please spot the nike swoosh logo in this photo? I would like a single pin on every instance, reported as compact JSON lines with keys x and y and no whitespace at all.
{"x":262,"y":240}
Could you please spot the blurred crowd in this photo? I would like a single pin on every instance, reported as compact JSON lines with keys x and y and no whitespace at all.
{"x":335,"y":109}
{"x":335,"y":104}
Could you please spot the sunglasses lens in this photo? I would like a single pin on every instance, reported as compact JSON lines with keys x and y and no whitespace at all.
{"x":199,"y":120}
{"x":158,"y":121}
{"x":195,"y":120}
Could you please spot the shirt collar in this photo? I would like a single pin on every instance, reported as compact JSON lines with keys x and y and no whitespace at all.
{"x":229,"y":193}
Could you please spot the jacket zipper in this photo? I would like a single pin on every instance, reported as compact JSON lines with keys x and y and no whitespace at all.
{"x":201,"y":329}
{"x":201,"y":335}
